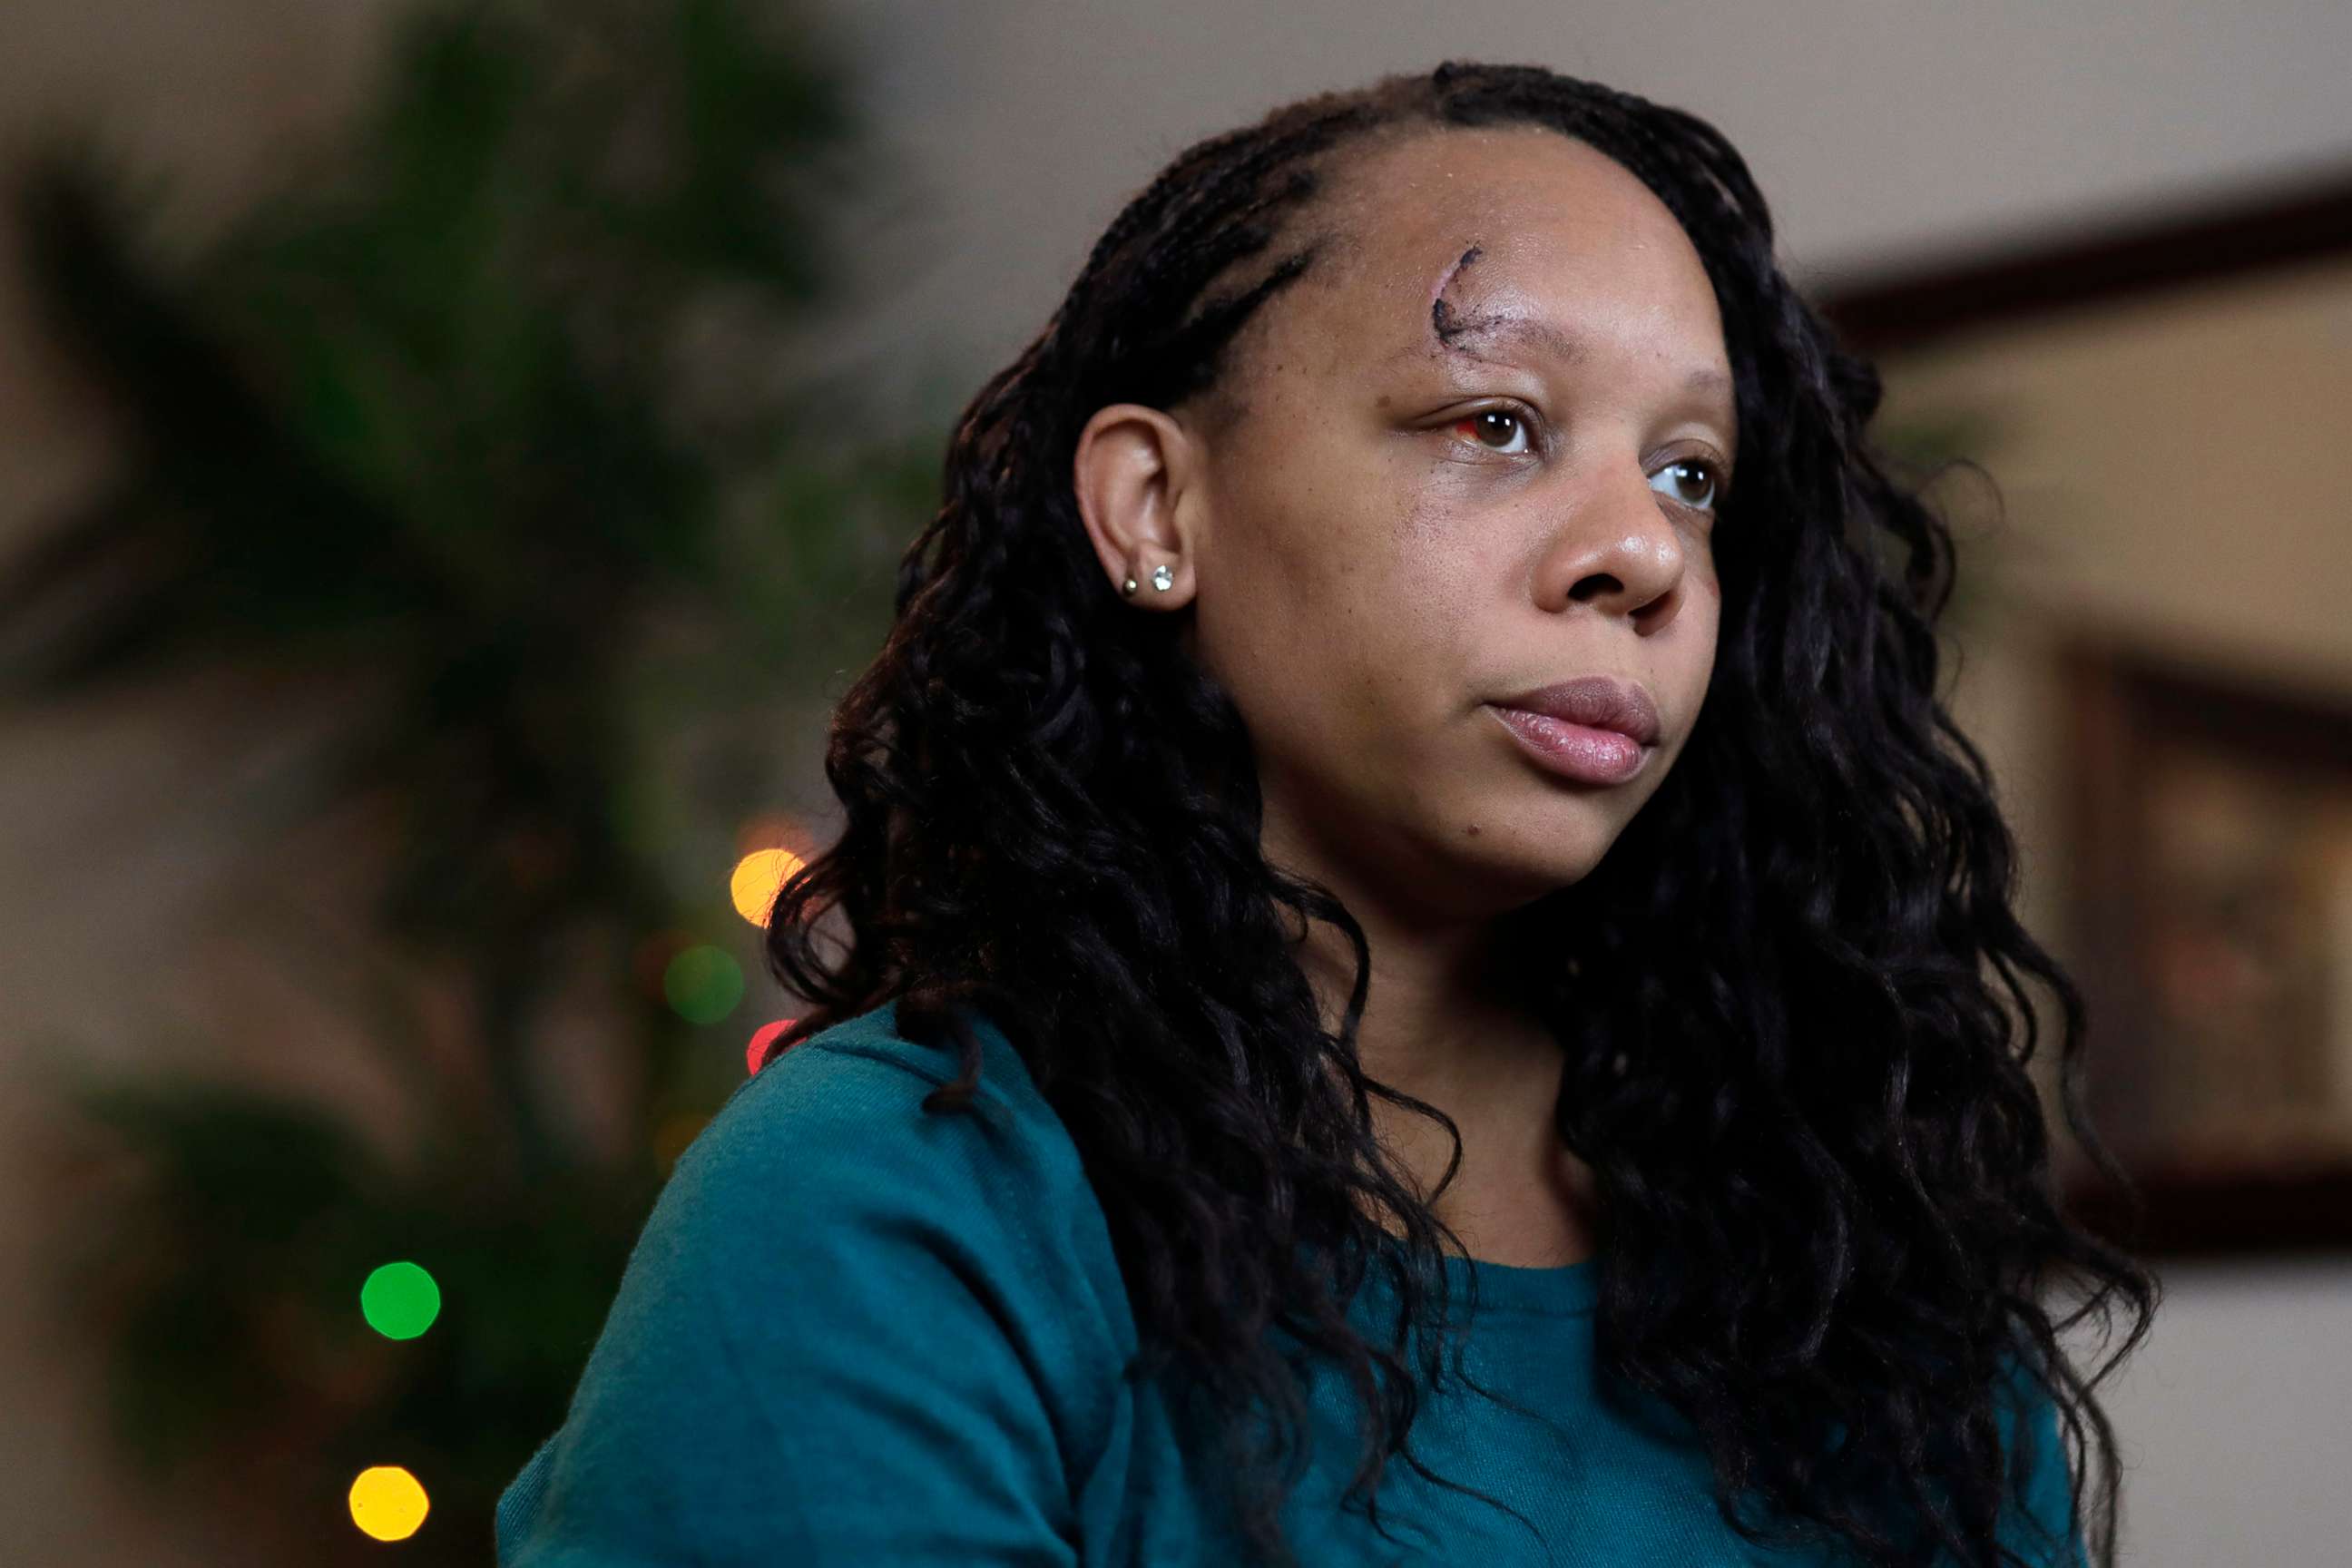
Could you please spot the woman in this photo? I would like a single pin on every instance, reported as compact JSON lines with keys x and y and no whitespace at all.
{"x":1401,"y":774}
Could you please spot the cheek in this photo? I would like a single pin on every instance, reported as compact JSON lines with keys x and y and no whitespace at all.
{"x":1330,"y":637}
{"x":1311,"y":542}
{"x":1334,"y":642}
{"x":1390,"y":609}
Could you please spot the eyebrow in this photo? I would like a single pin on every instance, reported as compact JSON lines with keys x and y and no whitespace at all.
{"x":1542,"y":332}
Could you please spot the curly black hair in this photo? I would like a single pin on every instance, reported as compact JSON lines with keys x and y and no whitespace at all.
{"x":1829,"y":1210}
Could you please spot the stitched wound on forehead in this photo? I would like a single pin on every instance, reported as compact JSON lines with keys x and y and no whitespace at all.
{"x":1441,"y":313}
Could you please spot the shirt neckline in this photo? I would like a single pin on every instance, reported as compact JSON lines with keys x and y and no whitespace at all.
{"x":1566,"y":1290}
{"x":1569,"y":1290}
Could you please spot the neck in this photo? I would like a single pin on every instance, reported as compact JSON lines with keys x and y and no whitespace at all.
{"x":1439,"y":1024}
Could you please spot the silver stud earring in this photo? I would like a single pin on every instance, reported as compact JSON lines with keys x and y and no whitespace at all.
{"x":1162,"y":578}
{"x":1128,"y":587}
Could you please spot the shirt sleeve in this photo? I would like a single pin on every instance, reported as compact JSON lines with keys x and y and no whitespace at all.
{"x":843,"y":1337}
{"x":2054,"y":1536}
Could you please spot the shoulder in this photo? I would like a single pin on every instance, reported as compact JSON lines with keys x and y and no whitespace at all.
{"x":839,"y":1295}
{"x":2046,"y":1528}
{"x":823,"y":1191}
{"x":861,"y":1055}
{"x":822,"y":1194}
{"x":843,"y":1109}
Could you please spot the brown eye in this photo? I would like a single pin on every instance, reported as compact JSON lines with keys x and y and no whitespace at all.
{"x":1693,"y":472}
{"x":1501,"y":422}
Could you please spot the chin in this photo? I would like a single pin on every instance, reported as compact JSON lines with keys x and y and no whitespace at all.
{"x":1528,"y":863}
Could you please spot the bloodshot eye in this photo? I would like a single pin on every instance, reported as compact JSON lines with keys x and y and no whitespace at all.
{"x":1478,"y":425}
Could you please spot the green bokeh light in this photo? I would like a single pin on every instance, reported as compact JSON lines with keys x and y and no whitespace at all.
{"x":703,"y":983}
{"x":400,"y":1300}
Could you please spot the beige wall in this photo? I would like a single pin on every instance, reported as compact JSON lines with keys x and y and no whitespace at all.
{"x":2183,"y":474}
{"x":2180,"y":485}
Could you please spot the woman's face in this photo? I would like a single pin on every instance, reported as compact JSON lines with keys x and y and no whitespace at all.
{"x":1473,"y":451}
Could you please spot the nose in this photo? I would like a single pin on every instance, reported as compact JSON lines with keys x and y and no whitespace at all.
{"x":1619,"y":549}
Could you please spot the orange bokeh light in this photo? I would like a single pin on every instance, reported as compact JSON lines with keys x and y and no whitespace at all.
{"x":759,"y":877}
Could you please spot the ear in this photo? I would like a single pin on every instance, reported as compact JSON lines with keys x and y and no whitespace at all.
{"x":1134,"y":474}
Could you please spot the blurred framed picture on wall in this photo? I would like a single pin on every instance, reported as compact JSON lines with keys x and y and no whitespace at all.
{"x":2213,"y":930}
{"x":2151,"y":640}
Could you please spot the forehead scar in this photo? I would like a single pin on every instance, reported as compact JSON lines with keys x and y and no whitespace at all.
{"x":1441,"y":314}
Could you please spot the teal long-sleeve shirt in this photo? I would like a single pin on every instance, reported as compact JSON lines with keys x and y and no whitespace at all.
{"x":852,"y":1333}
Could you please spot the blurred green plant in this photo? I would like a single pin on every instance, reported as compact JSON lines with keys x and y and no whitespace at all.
{"x":491,"y":422}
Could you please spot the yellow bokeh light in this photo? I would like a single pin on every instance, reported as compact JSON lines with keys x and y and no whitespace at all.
{"x":388,"y":1503}
{"x":759,"y":877}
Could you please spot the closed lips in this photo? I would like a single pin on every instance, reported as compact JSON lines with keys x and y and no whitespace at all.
{"x":1595,"y":701}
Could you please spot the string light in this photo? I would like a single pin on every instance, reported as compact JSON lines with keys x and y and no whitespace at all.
{"x":759,"y":877}
{"x":703,"y":985}
{"x":400,"y":1300}
{"x":388,"y":1503}
{"x":755,"y":1056}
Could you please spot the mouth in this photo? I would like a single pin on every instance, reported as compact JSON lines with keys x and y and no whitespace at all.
{"x":1584,"y":753}
{"x":1594,"y":729}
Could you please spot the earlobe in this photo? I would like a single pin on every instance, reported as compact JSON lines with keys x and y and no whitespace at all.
{"x":1126,"y":475}
{"x":1163,"y":578}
